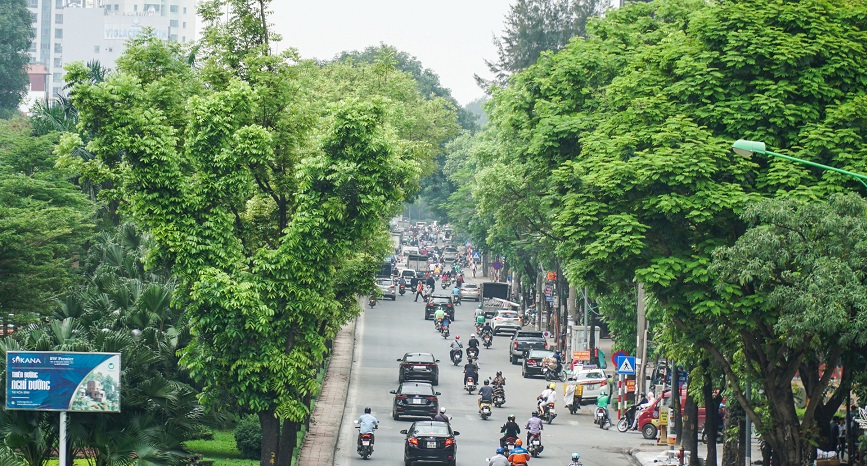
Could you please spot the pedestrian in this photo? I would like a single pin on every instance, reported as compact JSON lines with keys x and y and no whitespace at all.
{"x":680,"y":456}
{"x":419,"y":291}
{"x":474,"y":270}
{"x":834,"y":437}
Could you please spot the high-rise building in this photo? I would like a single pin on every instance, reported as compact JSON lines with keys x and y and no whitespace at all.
{"x":67,"y":31}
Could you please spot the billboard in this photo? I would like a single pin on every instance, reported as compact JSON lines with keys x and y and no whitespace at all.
{"x":63,"y":381}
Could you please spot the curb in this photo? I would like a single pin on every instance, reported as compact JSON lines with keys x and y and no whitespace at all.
{"x":321,"y":436}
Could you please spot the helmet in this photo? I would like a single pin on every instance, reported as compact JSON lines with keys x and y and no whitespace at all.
{"x":480,"y":306}
{"x":576,"y":456}
{"x":518,"y":443}
{"x":457,"y":337}
{"x":501,"y":450}
{"x":534,"y":414}
{"x":511,"y":417}
{"x":499,"y":372}
{"x":366,"y":410}
{"x":473,"y":336}
{"x":443,"y":409}
{"x":552,"y":386}
{"x":487,"y":382}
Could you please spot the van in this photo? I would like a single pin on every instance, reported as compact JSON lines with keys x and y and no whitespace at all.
{"x":648,"y":420}
{"x":407,"y":250}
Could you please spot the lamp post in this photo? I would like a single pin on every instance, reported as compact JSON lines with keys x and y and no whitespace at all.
{"x":746,"y":148}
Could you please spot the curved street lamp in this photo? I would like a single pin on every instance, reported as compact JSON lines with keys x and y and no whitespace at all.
{"x":746,"y":148}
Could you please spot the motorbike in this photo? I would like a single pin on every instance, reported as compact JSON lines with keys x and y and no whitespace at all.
{"x":535,"y":446}
{"x":549,"y":414}
{"x":365,"y":443}
{"x":601,"y":418}
{"x":402,"y":289}
{"x":510,"y":445}
{"x":438,"y":325}
{"x":371,"y":302}
{"x":456,"y":299}
{"x":487,"y":340}
{"x":551,"y":374}
{"x":485,"y":410}
{"x":444,"y":284}
{"x":499,"y":396}
{"x":572,"y":400}
{"x":479,"y":328}
{"x":470,"y":386}
{"x":445,"y":332}
{"x":628,"y":418}
{"x":473,"y":352}
{"x":457,"y":355}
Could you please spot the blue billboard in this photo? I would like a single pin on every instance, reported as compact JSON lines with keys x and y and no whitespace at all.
{"x":63,"y":381}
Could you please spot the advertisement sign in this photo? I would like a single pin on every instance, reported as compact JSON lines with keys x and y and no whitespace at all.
{"x":63,"y":381}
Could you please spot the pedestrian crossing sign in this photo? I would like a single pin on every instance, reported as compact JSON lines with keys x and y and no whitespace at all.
{"x":626,"y":365}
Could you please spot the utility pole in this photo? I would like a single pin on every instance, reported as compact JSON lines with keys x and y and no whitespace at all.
{"x":641,"y":339}
{"x":572,"y":303}
{"x":586,"y":326}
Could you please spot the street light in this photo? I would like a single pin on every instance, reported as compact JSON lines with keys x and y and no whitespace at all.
{"x":746,"y":148}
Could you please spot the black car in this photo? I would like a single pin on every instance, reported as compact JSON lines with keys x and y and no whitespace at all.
{"x":533,"y":362}
{"x":430,"y":441}
{"x":439,"y":301}
{"x":415,"y":399}
{"x":419,"y":366}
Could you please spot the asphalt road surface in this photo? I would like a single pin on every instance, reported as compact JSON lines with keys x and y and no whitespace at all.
{"x":390,"y":329}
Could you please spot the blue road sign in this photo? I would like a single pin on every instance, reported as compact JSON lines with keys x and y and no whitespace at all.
{"x":476,"y":256}
{"x":626,"y":365}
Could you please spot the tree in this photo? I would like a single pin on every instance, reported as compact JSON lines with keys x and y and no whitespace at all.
{"x":44,"y":221}
{"x":16,"y":35}
{"x":536,"y":26}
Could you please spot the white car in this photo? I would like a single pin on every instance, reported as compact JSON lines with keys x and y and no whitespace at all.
{"x":594,"y":382}
{"x":506,"y":321}
{"x":470,"y":291}
{"x":386,"y":285}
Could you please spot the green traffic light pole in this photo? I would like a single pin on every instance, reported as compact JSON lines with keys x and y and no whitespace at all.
{"x":746,"y":148}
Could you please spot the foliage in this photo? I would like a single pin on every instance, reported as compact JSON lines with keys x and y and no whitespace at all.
{"x":248,"y":437}
{"x":16,"y":35}
{"x":533,"y":27}
{"x":44,"y":220}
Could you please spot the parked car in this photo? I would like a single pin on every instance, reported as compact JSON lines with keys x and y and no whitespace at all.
{"x":439,"y":301}
{"x":524,"y":341}
{"x":415,"y":399}
{"x":419,"y":366}
{"x":387,"y":287}
{"x":470,"y":291}
{"x":533,"y":362}
{"x":430,"y":441}
{"x":506,"y":321}
{"x":648,"y":419}
{"x":594,"y":381}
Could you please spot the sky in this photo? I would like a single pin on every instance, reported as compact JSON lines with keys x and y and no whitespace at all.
{"x":451,"y":37}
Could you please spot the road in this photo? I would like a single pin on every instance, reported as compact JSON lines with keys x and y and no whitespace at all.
{"x":390,"y":329}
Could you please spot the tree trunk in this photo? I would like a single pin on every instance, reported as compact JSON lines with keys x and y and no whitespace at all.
{"x":711,"y":422}
{"x":675,"y":397}
{"x":689,"y":433}
{"x":270,"y":438}
{"x":540,"y":299}
{"x":732,"y":448}
{"x":288,"y":442}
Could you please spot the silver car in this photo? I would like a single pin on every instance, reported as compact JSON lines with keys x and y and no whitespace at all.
{"x":387,"y":287}
{"x":506,"y":320}
{"x":594,"y":382}
{"x":470,"y":291}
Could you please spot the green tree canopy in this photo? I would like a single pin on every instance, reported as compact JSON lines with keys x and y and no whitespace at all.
{"x":16,"y":34}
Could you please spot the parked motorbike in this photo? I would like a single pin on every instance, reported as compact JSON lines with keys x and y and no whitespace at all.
{"x":499,"y":396}
{"x":601,"y":418}
{"x":472,"y":352}
{"x":628,"y":418}
{"x":487,"y":340}
{"x":470,"y":386}
{"x":456,"y":356}
{"x":365,"y":443}
{"x":485,"y":410}
{"x":535,"y":446}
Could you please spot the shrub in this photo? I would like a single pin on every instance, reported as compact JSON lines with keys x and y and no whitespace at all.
{"x":248,"y":437}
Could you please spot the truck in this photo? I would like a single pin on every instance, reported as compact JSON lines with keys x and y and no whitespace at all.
{"x":495,"y":290}
{"x":417,"y":262}
{"x":523,"y":341}
{"x":385,"y":270}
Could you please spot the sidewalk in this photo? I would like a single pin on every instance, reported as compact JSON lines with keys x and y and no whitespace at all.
{"x":648,"y":454}
{"x":320,"y":442}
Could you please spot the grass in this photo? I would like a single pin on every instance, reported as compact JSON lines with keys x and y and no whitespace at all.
{"x":221,"y":450}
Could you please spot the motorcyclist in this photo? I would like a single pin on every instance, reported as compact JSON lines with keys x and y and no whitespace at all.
{"x":471,"y":369}
{"x":401,"y":282}
{"x":478,"y":311}
{"x":487,"y":329}
{"x":534,"y":426}
{"x":441,"y":416}
{"x":642,"y":403}
{"x":456,"y":346}
{"x":519,"y":455}
{"x":602,"y":402}
{"x":576,"y":460}
{"x":439,"y":313}
{"x":446,"y":321}
{"x":486,"y":393}
{"x":480,"y":320}
{"x":499,"y":379}
{"x":509,"y":429}
{"x":559,"y":358}
{"x":499,"y":459}
{"x":548,"y":395}
{"x":473,"y":343}
{"x":456,"y":293}
{"x":366,"y":424}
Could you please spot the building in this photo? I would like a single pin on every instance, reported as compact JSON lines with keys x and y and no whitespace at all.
{"x":67,"y":31}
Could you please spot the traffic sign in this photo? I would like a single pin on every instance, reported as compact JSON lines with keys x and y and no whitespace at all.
{"x":616,"y":355}
{"x":497,"y":265}
{"x":626,"y":365}
{"x":476,"y":256}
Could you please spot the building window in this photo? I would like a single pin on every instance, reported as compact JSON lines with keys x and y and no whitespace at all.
{"x":184,"y":25}
{"x":33,"y":3}
{"x":58,"y":19}
{"x":58,"y":4}
{"x":135,"y":8}
{"x":33,"y":17}
{"x":95,"y":49}
{"x":173,"y":9}
{"x":58,"y":33}
{"x":58,"y":90}
{"x":116,"y":7}
{"x":173,"y":37}
{"x":32,"y":48}
{"x":173,"y":23}
{"x":58,"y":48}
{"x":185,"y":10}
{"x":57,"y":77}
{"x":58,"y":63}
{"x":183,"y":39}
